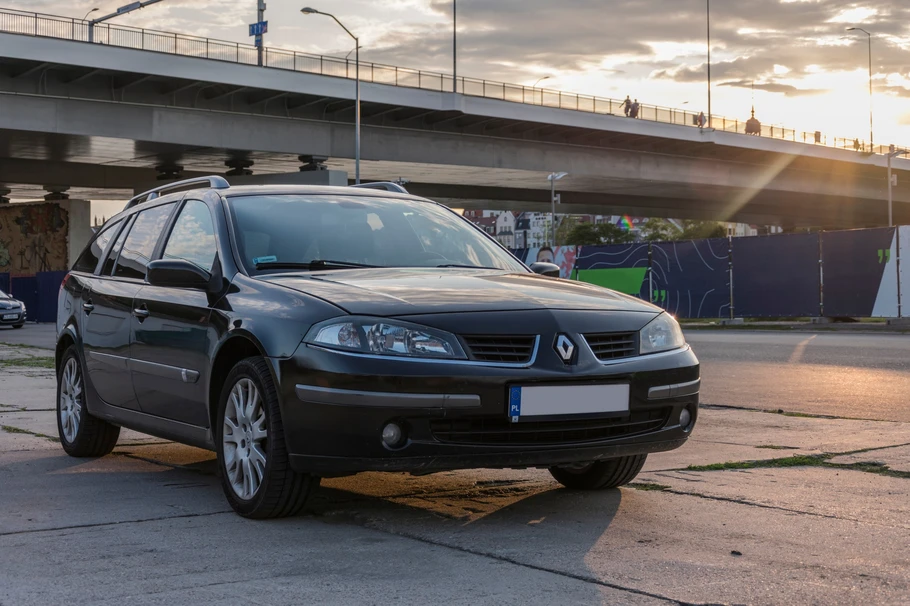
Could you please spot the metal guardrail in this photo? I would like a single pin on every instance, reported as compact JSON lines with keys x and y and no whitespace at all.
{"x":51,"y":26}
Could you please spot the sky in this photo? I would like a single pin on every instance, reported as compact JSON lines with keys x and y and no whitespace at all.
{"x":808,"y":72}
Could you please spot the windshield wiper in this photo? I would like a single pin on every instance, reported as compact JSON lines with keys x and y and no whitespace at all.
{"x":468,"y":266}
{"x":314,"y":265}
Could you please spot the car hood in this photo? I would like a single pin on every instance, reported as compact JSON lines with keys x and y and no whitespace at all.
{"x":406,"y":291}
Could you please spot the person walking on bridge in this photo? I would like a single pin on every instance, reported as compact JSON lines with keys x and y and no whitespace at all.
{"x":633,"y":113}
{"x":627,"y":106}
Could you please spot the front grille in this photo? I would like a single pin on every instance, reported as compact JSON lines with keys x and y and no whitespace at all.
{"x":611,"y":346}
{"x":501,"y":431}
{"x":513,"y":349}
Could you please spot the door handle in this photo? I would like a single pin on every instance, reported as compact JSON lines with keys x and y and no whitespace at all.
{"x":87,"y":307}
{"x":141,"y":312}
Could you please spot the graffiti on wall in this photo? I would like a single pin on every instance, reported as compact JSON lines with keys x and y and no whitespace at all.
{"x":33,"y":238}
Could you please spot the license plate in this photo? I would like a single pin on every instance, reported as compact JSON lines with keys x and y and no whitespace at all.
{"x":533,"y":403}
{"x":10,"y":316}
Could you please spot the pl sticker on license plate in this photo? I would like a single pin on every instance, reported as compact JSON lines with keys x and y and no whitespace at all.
{"x":567,"y":400}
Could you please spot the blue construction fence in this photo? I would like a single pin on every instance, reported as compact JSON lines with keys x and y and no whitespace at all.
{"x":854,"y":273}
{"x":38,"y":292}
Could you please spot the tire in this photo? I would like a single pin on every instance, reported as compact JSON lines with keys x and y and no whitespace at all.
{"x":18,"y":325}
{"x":255,"y":468}
{"x":600,"y":475}
{"x":81,"y":434}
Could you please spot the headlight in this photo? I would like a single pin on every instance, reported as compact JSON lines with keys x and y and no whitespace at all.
{"x":662,"y":334}
{"x":385,"y":337}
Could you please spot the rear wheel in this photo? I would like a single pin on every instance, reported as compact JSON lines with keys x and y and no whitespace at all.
{"x":600,"y":474}
{"x":256,"y":474}
{"x":81,"y":434}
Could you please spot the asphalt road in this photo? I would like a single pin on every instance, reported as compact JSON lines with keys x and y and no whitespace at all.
{"x":862,"y":376}
{"x":148,"y":524}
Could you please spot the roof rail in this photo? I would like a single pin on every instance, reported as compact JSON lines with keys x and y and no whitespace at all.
{"x":383,"y":185}
{"x":214,"y":181}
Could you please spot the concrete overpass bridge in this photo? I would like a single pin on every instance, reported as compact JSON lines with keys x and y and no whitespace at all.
{"x":101,"y":118}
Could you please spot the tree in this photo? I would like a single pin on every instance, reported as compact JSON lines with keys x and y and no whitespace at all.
{"x":659,"y":230}
{"x":588,"y":234}
{"x":698,"y":230}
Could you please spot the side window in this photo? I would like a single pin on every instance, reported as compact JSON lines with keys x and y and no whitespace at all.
{"x":140,"y":243}
{"x":88,"y":260}
{"x":109,"y":263}
{"x":193,"y":236}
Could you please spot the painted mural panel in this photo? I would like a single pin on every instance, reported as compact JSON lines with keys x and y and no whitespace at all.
{"x":859,"y":272}
{"x":33,"y":238}
{"x":776,"y":276}
{"x":904,"y":236}
{"x":564,"y":256}
{"x":622,"y":267}
{"x":692,"y":278}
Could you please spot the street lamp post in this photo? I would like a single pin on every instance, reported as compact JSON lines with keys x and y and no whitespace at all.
{"x":313,"y":11}
{"x":859,"y":29}
{"x":708,"y":21}
{"x":553,"y":178}
{"x":538,"y":82}
{"x":120,"y":11}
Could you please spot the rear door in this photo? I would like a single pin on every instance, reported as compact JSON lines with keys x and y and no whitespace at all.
{"x":173,"y":336}
{"x":108,"y":306}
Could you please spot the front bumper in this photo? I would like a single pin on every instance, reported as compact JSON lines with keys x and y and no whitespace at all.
{"x":334,"y":407}
{"x":12,"y":321}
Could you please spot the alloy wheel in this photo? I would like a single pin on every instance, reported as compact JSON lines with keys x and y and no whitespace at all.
{"x":71,"y":399}
{"x":244,"y":439}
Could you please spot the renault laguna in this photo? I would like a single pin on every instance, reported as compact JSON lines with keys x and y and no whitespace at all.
{"x":303,"y":332}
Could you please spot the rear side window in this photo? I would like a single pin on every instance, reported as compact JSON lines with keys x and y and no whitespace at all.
{"x":193,"y":236}
{"x":111,"y":260}
{"x":88,"y":260}
{"x":139,"y":245}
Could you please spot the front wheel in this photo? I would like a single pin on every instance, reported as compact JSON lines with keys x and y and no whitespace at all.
{"x":600,"y":474}
{"x":81,"y":434}
{"x":256,"y":474}
{"x":18,"y":325}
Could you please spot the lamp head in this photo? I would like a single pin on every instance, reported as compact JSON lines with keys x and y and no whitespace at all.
{"x":308,"y":11}
{"x":556,"y":176}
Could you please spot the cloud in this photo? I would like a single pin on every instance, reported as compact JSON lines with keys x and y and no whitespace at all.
{"x":776,"y":87}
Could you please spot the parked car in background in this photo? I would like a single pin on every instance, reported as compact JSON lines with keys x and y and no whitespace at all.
{"x":305,"y":332}
{"x":12,"y":311}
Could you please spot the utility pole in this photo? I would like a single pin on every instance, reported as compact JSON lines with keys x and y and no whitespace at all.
{"x":260,"y":17}
{"x":454,"y":46}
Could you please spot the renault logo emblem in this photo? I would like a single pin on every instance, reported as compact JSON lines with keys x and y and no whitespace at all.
{"x":565,"y":348}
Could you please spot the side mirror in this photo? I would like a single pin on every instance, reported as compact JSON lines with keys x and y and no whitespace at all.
{"x":177,"y":273}
{"x":545,"y":269}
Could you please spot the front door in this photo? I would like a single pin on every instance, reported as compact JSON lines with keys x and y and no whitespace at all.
{"x":171,"y":334}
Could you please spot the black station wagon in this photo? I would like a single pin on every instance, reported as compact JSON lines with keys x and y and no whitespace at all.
{"x":304,"y":332}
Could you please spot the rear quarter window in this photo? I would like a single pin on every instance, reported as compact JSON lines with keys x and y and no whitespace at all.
{"x":88,"y":260}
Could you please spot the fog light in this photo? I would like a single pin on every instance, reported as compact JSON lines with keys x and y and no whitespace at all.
{"x":392,"y":435}
{"x":685,"y":417}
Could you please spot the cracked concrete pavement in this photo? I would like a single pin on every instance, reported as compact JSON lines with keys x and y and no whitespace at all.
{"x":149,"y":525}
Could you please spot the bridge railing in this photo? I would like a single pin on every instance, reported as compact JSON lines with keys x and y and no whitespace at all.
{"x":37,"y":24}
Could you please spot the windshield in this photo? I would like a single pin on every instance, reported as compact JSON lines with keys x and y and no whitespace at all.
{"x":284,"y":230}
